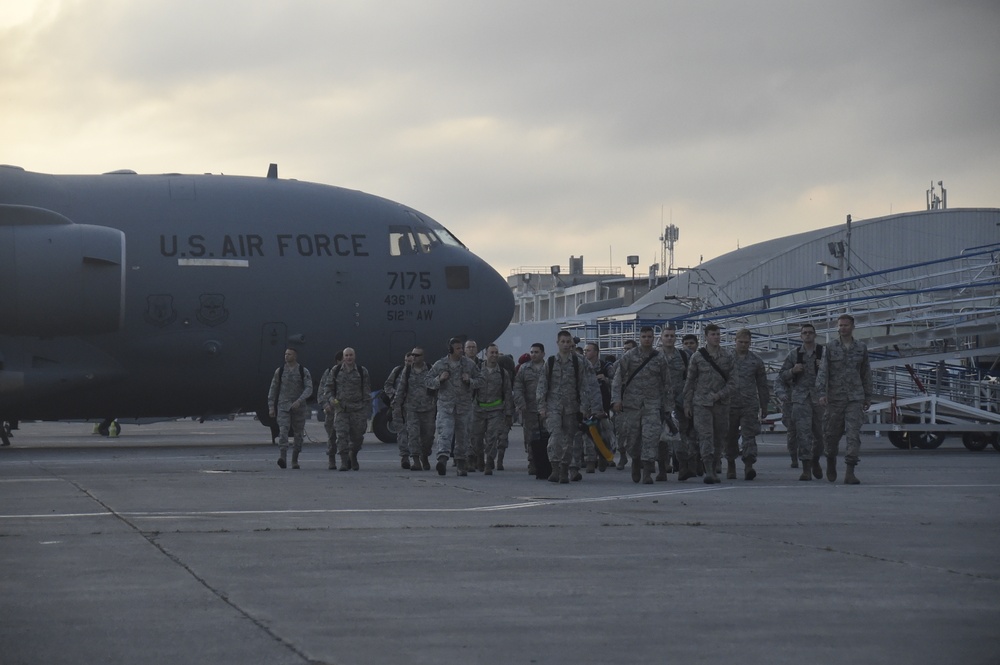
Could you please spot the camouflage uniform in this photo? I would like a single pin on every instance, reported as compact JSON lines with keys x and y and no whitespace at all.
{"x":413,"y":407}
{"x":782,"y":392}
{"x":492,"y":410}
{"x":600,"y":401}
{"x":525,"y":385}
{"x":352,"y":389}
{"x":806,"y":426}
{"x":584,"y":451}
{"x":324,"y":398}
{"x":748,"y":401}
{"x":287,"y":386}
{"x":454,"y":404}
{"x":644,"y":395}
{"x":565,"y":396}
{"x":389,"y":390}
{"x":845,"y":379}
{"x":677,"y":362}
{"x":711,"y":417}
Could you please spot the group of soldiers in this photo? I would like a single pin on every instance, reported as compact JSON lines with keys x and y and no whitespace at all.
{"x":682,"y":408}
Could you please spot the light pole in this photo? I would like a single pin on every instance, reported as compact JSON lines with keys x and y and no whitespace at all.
{"x":633,"y":261}
{"x":827,"y":269}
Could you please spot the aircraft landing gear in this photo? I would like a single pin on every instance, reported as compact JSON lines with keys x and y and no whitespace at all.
{"x":108,"y":427}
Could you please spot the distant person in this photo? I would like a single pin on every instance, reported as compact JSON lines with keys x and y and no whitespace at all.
{"x":640,"y":392}
{"x":291,"y":387}
{"x":493,"y":409}
{"x":413,"y":410}
{"x":690,"y":343}
{"x":709,"y":385}
{"x":525,"y":385}
{"x":454,"y":377}
{"x":747,"y":407}
{"x":325,"y":401}
{"x":844,"y":383}
{"x":562,"y":397}
{"x":601,"y":370}
{"x":349,"y":387}
{"x":805,"y":418}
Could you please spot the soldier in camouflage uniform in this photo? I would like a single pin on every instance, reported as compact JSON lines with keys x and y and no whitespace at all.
{"x":562,"y":397}
{"x":493,"y":407}
{"x":388,"y":393}
{"x":349,"y":388}
{"x":453,"y":377}
{"x":641,"y":393}
{"x":747,"y":407}
{"x":621,"y":436}
{"x":798,"y":372}
{"x":783,"y":392}
{"x":290,"y":387}
{"x":706,"y":399}
{"x":325,"y":402}
{"x":600,"y":404}
{"x":525,"y":384}
{"x":413,"y":410}
{"x":677,"y":362}
{"x":844,"y":385}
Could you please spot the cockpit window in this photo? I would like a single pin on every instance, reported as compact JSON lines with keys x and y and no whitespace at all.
{"x":434,"y":229}
{"x":401,"y":241}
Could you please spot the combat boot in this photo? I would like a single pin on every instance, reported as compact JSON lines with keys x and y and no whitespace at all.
{"x":636,"y":469}
{"x":460,"y":468}
{"x":602,"y":464}
{"x":295,"y":459}
{"x":574,"y":474}
{"x":684,"y":471}
{"x":662,"y":475}
{"x":345,"y":462}
{"x":563,"y":474}
{"x":481,"y":462}
{"x":849,"y":477}
{"x":404,"y":461}
{"x":354,"y":460}
{"x":749,"y":473}
{"x":730,"y":469}
{"x":591,"y":467}
{"x":710,"y":476}
{"x":500,"y":453}
{"x":831,"y":469}
{"x":795,"y":460}
{"x":488,"y":470}
{"x":806,"y":473}
{"x":281,"y":460}
{"x":647,"y":472}
{"x":332,"y":463}
{"x":531,"y":469}
{"x":622,"y":461}
{"x":442,"y":465}
{"x":554,"y":476}
{"x":817,"y":468}
{"x":415,"y":465}
{"x":425,"y":462}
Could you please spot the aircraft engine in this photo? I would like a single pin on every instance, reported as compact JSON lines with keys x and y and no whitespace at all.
{"x":59,"y":278}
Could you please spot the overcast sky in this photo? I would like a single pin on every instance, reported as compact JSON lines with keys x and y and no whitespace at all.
{"x":533,"y":130}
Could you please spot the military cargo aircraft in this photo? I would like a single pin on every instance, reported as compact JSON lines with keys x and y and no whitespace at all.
{"x":141,"y":296}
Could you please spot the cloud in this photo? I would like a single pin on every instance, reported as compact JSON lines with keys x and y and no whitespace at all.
{"x":534,"y":130}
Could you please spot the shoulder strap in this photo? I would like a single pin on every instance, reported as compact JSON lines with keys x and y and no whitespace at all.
{"x":704,"y":354}
{"x":637,"y":369}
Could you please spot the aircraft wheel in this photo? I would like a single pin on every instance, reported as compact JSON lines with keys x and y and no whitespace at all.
{"x":928,"y":440}
{"x":976,"y":441}
{"x":899,"y":439}
{"x":380,"y":426}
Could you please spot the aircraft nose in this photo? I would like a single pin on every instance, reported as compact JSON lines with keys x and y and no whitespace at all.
{"x":496,"y":306}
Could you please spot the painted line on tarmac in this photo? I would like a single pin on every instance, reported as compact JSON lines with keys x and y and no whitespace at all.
{"x":338,"y":511}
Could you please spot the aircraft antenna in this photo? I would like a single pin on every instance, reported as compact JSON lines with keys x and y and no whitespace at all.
{"x":272,"y":171}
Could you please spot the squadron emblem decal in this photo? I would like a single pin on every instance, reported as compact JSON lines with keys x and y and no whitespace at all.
{"x":211,"y":309}
{"x":160,"y":310}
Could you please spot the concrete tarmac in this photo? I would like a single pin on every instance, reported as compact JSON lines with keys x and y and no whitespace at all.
{"x":185,"y":543}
